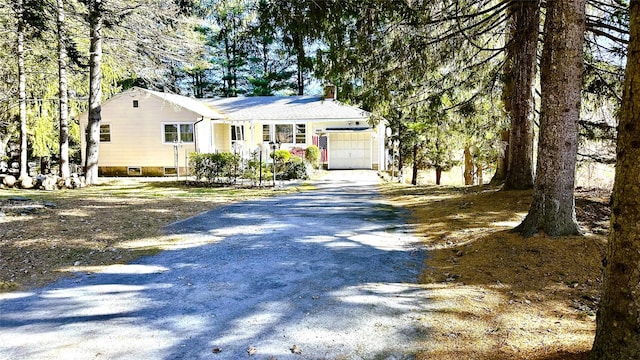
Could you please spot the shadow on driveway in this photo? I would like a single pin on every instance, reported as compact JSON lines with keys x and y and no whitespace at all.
{"x":331,"y":270}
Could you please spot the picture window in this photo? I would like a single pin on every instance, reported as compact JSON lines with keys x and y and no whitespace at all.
{"x":177,"y":132}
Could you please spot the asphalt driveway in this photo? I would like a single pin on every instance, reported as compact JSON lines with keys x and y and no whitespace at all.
{"x":331,"y":270}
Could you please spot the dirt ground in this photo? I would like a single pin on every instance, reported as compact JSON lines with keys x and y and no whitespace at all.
{"x":511,"y":298}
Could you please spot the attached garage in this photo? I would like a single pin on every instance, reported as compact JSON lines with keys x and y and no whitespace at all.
{"x":350,"y":150}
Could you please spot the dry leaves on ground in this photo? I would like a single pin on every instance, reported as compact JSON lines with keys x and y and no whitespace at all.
{"x":497,"y":295}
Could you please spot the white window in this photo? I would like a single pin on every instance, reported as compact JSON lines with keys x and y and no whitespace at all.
{"x":237,"y":133}
{"x":134,"y":171}
{"x":178,"y":132}
{"x":105,"y":133}
{"x":266,"y":133}
{"x":286,"y":133}
{"x":301,"y":134}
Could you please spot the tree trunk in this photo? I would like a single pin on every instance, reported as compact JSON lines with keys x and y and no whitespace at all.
{"x":22,"y":91}
{"x":226,"y":78}
{"x":502,"y":164}
{"x":45,"y":165}
{"x":438,"y":175}
{"x":414,"y":173}
{"x":468,"y":166}
{"x":520,"y":72}
{"x":300,"y":60}
{"x":618,"y":321}
{"x":95,"y":92}
{"x":479,"y":170}
{"x":64,"y":98}
{"x":553,"y":206}
{"x":235,"y":55}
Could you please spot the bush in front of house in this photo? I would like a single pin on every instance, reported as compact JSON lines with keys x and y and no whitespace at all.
{"x":281,"y":156}
{"x":215,"y":167}
{"x":252,"y":171}
{"x":312,"y":155}
{"x":289,"y":167}
{"x":227,"y":168}
{"x":293,"y":169}
{"x":297,"y":151}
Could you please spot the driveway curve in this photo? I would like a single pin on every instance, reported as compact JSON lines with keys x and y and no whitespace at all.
{"x":331,"y":271}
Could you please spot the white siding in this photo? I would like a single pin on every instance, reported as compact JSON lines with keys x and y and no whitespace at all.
{"x":136,"y":133}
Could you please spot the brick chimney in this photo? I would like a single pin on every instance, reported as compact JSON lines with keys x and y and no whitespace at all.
{"x":330,"y":93}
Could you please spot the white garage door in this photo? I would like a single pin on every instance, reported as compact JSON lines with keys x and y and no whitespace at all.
{"x":350,"y":150}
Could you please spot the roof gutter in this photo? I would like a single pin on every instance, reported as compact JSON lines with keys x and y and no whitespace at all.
{"x":195,"y":133}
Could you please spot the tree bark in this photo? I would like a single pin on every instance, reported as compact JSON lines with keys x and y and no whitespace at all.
{"x":520,"y":71}
{"x":95,"y":92}
{"x":618,"y":320}
{"x":468,"y":166}
{"x":553,"y":206}
{"x":300,"y":61}
{"x":22,"y":91}
{"x":416,"y":166}
{"x":438,"y":175}
{"x":64,"y":171}
{"x":503,"y":161}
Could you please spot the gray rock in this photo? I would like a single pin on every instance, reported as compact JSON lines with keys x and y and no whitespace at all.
{"x":9,"y":180}
{"x":64,"y":183}
{"x":77,"y":182}
{"x":27,"y":183}
{"x":49,"y":182}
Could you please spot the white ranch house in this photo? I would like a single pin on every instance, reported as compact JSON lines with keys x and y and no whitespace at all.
{"x":149,"y":133}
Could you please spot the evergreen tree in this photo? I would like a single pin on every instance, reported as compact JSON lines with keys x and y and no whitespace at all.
{"x":553,"y":206}
{"x":96,"y":15}
{"x":520,"y":70}
{"x":618,"y":319}
{"x":64,"y":170}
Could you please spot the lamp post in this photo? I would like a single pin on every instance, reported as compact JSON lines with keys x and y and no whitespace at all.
{"x":176,"y":146}
{"x":274,"y":146}
{"x":396,"y":145}
{"x":260,"y":164}
{"x":393,"y":159}
{"x":393,"y":152}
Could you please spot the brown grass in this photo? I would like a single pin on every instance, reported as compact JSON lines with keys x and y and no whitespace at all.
{"x":113,"y":223}
{"x":497,"y":295}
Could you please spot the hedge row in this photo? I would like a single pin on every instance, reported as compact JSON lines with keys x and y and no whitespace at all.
{"x":227,"y":168}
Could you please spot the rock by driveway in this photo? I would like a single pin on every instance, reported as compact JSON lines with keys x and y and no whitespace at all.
{"x":331,"y":270}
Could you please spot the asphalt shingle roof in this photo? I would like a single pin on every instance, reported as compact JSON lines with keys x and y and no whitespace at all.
{"x":195,"y":105}
{"x":264,"y":108}
{"x":285,"y":108}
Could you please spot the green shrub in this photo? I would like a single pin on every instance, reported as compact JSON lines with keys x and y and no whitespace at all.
{"x":281,"y":155}
{"x":215,"y":167}
{"x":294,"y":169}
{"x":252,"y":171}
{"x":312,"y":155}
